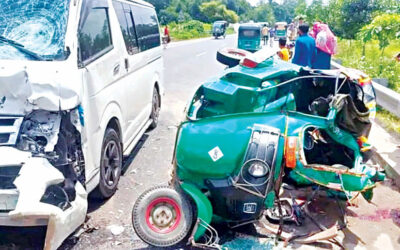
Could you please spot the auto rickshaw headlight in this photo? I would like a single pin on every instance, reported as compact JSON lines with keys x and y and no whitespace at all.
{"x":257,"y":168}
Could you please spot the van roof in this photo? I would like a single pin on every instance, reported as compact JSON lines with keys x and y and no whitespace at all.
{"x":141,"y":3}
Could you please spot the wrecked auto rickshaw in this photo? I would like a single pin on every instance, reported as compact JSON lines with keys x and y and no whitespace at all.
{"x":258,"y":125}
{"x":76,"y":95}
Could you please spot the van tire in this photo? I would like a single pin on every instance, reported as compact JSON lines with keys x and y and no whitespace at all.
{"x":155,"y":108}
{"x":110,"y":165}
{"x":170,"y":201}
{"x":231,"y":56}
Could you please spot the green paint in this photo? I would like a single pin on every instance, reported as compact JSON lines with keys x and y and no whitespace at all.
{"x":204,"y":208}
{"x":221,"y":117}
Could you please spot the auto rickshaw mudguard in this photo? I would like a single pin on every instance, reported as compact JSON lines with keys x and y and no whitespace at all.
{"x":204,"y":207}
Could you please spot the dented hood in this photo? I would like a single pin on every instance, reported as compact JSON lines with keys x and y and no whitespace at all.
{"x":41,"y":85}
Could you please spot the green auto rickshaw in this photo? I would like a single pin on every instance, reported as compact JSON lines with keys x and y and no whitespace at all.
{"x":281,"y":30}
{"x":249,"y":37}
{"x":256,"y":127}
{"x":219,"y":29}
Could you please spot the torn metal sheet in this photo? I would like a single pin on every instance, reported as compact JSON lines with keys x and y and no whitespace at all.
{"x":44,"y":175}
{"x":20,"y":95}
{"x":34,"y":178}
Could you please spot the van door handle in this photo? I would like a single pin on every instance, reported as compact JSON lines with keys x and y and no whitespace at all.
{"x":116,"y":69}
{"x":126,"y":64}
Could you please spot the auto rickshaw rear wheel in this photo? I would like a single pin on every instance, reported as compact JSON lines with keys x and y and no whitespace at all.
{"x":163,"y":216}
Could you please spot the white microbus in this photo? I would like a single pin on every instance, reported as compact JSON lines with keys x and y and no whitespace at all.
{"x":80,"y":82}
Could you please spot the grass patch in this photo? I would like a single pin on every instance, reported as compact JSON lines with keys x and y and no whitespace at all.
{"x":189,"y":30}
{"x":230,"y":31}
{"x":389,"y":121}
{"x":350,"y":53}
{"x":192,"y":30}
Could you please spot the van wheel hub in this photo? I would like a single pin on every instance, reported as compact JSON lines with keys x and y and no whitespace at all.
{"x":111,"y":163}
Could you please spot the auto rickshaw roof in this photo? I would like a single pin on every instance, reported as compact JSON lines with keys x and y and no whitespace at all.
{"x":250,"y":26}
{"x":270,"y":69}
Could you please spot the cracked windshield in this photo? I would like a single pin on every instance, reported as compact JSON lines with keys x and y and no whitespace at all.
{"x":33,"y":28}
{"x":199,"y":124}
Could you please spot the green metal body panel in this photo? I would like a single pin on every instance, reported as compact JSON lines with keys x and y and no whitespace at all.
{"x":281,"y":33}
{"x":204,"y":208}
{"x":222,"y":115}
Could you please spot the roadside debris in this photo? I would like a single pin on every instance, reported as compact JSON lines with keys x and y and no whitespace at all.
{"x":116,"y":229}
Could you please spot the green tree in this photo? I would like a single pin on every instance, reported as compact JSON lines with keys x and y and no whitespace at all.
{"x":301,"y":7}
{"x":315,"y":12}
{"x":353,"y":15}
{"x":215,"y":10}
{"x":262,"y":13}
{"x":285,"y":11}
{"x":384,"y":28}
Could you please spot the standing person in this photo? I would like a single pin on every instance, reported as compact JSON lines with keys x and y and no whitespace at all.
{"x":166,"y":34}
{"x":305,"y":50}
{"x":284,"y":52}
{"x":326,"y":44}
{"x":292,"y":30}
{"x":271,"y":35}
{"x":264,"y":32}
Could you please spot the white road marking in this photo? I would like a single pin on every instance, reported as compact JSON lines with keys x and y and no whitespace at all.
{"x":201,"y":54}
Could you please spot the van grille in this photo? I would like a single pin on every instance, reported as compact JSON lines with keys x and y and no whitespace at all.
{"x":4,"y":138}
{"x":9,"y":128}
{"x":8,"y":174}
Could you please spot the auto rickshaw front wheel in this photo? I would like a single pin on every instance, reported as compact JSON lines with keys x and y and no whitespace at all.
{"x":162,"y":216}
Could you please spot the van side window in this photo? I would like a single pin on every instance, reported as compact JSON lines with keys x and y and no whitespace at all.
{"x":125,"y":19}
{"x":147,"y":27}
{"x":95,"y":35}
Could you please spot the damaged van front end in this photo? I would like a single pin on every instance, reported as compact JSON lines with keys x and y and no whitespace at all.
{"x":42,"y":167}
{"x":42,"y":163}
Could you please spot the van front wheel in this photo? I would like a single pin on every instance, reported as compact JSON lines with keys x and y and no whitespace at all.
{"x":110,"y":165}
{"x":155,"y":109}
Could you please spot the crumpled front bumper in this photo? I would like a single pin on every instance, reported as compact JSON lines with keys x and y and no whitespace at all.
{"x":22,"y":206}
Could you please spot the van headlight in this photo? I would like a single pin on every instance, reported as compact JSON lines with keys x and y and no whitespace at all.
{"x":257,"y":168}
{"x":39,"y":132}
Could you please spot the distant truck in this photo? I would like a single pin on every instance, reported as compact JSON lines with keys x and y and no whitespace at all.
{"x":219,"y":29}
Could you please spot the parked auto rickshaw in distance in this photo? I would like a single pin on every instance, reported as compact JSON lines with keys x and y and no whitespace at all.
{"x":281,"y":30}
{"x":219,"y":29}
{"x":249,"y":37}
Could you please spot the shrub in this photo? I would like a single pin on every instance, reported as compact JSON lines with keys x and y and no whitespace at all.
{"x":350,"y":52}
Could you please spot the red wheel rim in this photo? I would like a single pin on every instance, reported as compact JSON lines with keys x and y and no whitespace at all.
{"x":166,"y":208}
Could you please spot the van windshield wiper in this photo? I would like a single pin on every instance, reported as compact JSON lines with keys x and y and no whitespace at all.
{"x":20,"y":47}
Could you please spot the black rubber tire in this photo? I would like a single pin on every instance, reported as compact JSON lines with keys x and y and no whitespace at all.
{"x":183,"y":228}
{"x":104,"y":190}
{"x":155,"y":108}
{"x":231,"y":56}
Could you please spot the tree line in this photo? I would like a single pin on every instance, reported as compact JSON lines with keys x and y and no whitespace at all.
{"x":345,"y":17}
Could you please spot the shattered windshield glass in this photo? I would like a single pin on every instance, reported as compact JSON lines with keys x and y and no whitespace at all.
{"x":33,"y":29}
